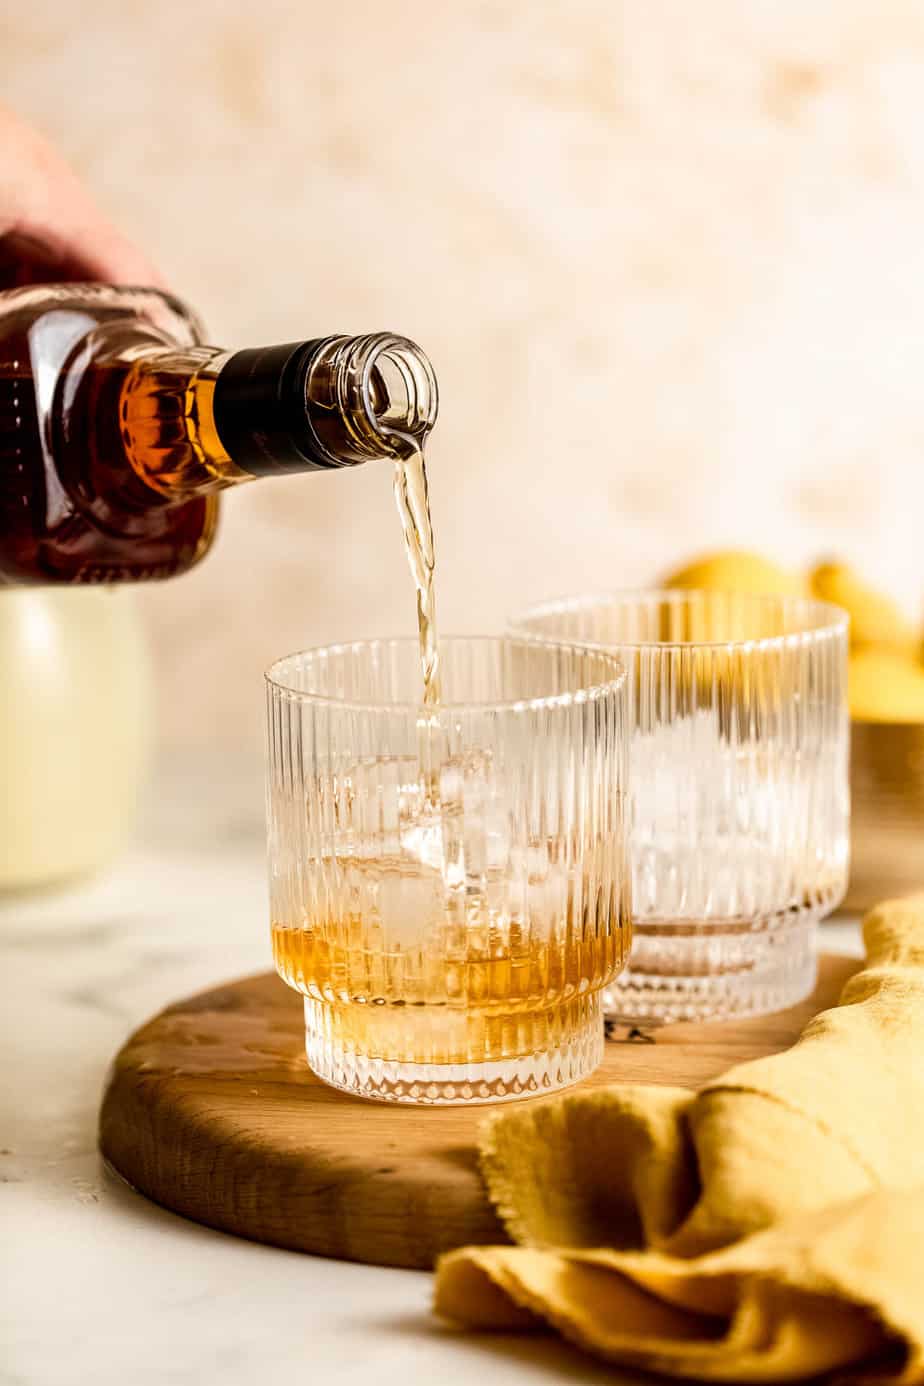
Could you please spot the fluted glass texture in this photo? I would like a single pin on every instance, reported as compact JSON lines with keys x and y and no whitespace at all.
{"x":738,"y":779}
{"x":449,"y":888}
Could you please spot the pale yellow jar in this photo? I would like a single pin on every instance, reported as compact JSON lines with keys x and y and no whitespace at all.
{"x":75,"y":730}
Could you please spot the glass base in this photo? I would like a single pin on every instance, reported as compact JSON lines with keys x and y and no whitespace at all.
{"x":573,"y":1048}
{"x":682,"y":972}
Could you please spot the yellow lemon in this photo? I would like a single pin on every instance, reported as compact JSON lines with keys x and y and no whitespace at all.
{"x":875,"y":619}
{"x":885,"y":686}
{"x":735,"y":570}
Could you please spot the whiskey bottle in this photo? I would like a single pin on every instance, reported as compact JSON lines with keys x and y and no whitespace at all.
{"x":119,"y":428}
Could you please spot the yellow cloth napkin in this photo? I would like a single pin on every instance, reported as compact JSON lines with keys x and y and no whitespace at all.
{"x":767,"y":1228}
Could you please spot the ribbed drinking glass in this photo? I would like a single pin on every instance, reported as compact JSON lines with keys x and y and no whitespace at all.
{"x":738,"y":780}
{"x":449,"y":888}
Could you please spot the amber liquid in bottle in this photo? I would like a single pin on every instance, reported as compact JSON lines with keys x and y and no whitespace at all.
{"x":61,"y":517}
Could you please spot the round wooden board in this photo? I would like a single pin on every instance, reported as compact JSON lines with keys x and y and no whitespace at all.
{"x":210,"y":1110}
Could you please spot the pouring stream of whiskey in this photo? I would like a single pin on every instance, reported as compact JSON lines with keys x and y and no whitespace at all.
{"x":412,"y":497}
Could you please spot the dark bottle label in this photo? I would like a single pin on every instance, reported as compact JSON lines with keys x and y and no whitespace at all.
{"x":261,"y":411}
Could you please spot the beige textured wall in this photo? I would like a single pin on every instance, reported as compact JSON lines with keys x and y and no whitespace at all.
{"x":667,"y":259}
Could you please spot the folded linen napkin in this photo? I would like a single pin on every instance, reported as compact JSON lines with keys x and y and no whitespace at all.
{"x":767,"y":1228}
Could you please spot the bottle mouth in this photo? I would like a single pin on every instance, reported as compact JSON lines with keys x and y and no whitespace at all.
{"x":394,"y":385}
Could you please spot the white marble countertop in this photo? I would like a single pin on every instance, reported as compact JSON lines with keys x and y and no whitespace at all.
{"x":103,"y":1288}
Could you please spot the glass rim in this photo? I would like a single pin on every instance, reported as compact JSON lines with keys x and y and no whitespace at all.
{"x":831,"y":619}
{"x":586,"y":693}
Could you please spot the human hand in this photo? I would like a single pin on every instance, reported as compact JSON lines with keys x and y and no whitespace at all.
{"x":50,"y":229}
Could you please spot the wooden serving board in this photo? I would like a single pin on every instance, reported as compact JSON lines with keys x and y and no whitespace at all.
{"x":210,"y":1110}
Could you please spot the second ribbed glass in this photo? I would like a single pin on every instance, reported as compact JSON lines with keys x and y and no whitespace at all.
{"x":449,"y":888}
{"x":738,"y":786}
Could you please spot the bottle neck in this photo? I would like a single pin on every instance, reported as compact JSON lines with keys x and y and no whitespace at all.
{"x":196,"y":419}
{"x":166,"y":404}
{"x":328,"y":403}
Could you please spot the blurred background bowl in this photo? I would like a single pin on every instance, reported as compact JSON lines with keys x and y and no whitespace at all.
{"x":887,"y":812}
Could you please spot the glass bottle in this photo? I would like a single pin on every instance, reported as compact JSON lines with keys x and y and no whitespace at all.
{"x":119,"y":429}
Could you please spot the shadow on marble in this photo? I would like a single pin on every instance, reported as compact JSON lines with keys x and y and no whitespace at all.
{"x":541,"y":1350}
{"x":122,"y":1198}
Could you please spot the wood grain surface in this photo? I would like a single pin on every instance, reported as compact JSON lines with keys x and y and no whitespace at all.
{"x":210,"y":1110}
